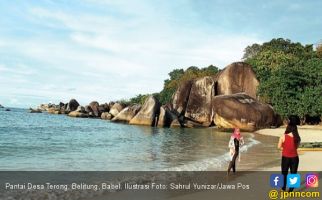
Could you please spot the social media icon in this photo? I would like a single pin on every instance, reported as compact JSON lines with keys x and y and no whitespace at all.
{"x":293,"y":180}
{"x":276,"y":180}
{"x":312,"y":180}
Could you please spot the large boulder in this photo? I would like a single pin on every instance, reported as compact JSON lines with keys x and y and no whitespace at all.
{"x":37,"y":110}
{"x":72,"y":105}
{"x":88,"y":109}
{"x":110,"y":105}
{"x":116,"y":109}
{"x":106,"y":116}
{"x":237,"y":77}
{"x":149,"y":113}
{"x":127,"y":113}
{"x":61,"y":108}
{"x":61,"y":105}
{"x":181,"y":97}
{"x":45,"y":107}
{"x":167,"y":118}
{"x":242,"y":111}
{"x":77,"y":114}
{"x":103,"y":108}
{"x":55,"y":110}
{"x":198,"y":107}
{"x":94,"y":105}
{"x":80,"y":109}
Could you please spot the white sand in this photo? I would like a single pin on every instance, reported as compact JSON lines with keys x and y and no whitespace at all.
{"x":308,"y":133}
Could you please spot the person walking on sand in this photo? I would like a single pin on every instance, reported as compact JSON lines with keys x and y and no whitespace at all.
{"x":234,"y":144}
{"x":289,"y":143}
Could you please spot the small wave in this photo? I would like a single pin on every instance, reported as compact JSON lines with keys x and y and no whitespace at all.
{"x":213,"y":163}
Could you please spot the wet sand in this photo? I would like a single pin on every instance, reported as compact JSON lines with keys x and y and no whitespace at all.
{"x":259,"y":157}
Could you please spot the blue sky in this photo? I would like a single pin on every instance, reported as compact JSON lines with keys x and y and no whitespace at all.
{"x":54,"y":50}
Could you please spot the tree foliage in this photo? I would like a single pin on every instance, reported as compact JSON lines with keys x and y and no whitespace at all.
{"x":178,"y":76}
{"x":251,"y":51}
{"x":139,"y":99}
{"x":319,"y":49}
{"x":290,"y":77}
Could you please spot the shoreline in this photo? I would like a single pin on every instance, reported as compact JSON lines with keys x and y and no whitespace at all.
{"x":266,"y":157}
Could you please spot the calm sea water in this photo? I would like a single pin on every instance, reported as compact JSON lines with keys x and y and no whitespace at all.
{"x":33,"y":141}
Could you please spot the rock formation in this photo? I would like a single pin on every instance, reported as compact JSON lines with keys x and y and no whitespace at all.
{"x":236,"y":78}
{"x":198,"y":107}
{"x":77,"y":114}
{"x":103,"y":108}
{"x":116,"y":109}
{"x":72,"y":105}
{"x":31,"y":110}
{"x":181,"y":97}
{"x":226,"y":100}
{"x":167,"y":118}
{"x":197,"y":102}
{"x":46,"y":107}
{"x":1,"y":106}
{"x":106,"y":116}
{"x":149,"y":113}
{"x":127,"y":113}
{"x":81,"y":109}
{"x":88,"y":109}
{"x":94,"y":105}
{"x":243,"y":111}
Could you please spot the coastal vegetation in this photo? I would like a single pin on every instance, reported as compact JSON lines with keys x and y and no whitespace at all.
{"x":290,"y":76}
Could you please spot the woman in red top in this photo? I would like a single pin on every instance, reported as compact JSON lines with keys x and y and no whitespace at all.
{"x":289,"y":143}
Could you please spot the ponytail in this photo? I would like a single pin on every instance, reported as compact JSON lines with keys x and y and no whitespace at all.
{"x":292,"y":128}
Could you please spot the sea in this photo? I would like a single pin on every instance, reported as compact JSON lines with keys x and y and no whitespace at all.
{"x":47,"y":142}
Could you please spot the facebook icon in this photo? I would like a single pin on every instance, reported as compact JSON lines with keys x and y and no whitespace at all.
{"x":276,"y":180}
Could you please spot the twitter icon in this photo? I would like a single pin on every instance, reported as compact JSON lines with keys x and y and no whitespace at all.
{"x":293,"y":180}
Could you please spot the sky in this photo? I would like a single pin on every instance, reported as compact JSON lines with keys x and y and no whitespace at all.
{"x":55,"y":50}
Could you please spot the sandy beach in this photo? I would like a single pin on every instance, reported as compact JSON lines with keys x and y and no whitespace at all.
{"x":308,"y":133}
{"x":308,"y":158}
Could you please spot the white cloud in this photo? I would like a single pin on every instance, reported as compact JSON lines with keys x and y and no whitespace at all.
{"x":103,"y":57}
{"x":3,"y":68}
{"x":17,"y":69}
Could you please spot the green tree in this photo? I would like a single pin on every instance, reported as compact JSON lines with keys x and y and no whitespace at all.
{"x":310,"y":99}
{"x":290,"y":77}
{"x":251,"y":51}
{"x":178,"y":76}
{"x":139,"y":99}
